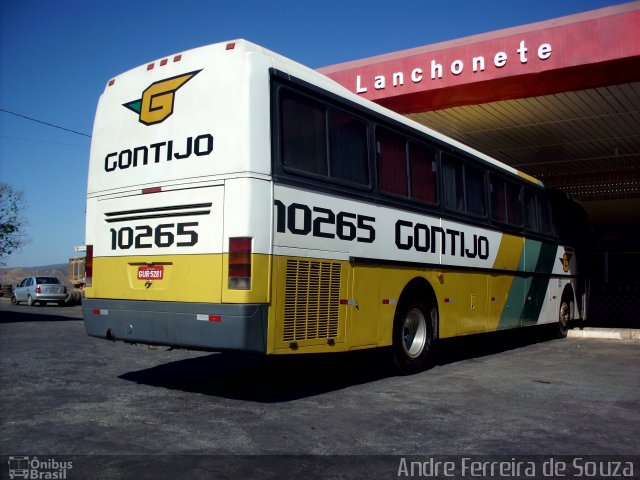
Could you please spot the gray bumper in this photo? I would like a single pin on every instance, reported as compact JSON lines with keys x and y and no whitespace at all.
{"x":196,"y":326}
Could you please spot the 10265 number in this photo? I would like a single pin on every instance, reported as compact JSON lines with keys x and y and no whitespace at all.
{"x":322,"y":222}
{"x":162,"y":236}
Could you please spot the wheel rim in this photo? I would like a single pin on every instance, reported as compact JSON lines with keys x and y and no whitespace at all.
{"x":414,"y":332}
{"x":564,"y":315}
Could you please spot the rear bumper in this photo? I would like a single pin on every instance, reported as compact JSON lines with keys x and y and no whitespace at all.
{"x":49,"y":297}
{"x":196,"y":326}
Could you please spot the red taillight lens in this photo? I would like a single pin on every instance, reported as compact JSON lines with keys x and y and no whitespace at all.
{"x":38,"y":289}
{"x":88,"y":266}
{"x":240,"y":263}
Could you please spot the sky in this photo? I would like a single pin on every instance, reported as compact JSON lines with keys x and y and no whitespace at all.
{"x":56,"y":57}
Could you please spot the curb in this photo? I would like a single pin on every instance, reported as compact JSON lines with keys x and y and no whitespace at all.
{"x":610,"y":333}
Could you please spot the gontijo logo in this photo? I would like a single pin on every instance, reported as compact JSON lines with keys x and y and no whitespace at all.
{"x":156,"y":104}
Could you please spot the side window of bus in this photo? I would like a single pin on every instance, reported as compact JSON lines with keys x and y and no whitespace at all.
{"x":303,"y":137}
{"x":506,"y":201}
{"x":464,"y":186}
{"x":498,"y":197}
{"x":453,"y":183}
{"x":514,"y":204}
{"x":544,"y":220}
{"x":318,"y":140}
{"x":422,"y":168}
{"x":537,"y":213}
{"x":392,"y":163}
{"x":348,"y":155}
{"x":475,"y":191}
{"x":531,"y":215}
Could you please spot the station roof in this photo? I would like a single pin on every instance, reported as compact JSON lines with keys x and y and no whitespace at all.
{"x":559,"y":100}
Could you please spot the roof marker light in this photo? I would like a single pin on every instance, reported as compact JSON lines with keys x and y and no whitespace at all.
{"x":151,"y":190}
{"x":230,"y":46}
{"x":177,"y":58}
{"x":112,"y":81}
{"x":163,"y":62}
{"x":150,"y":66}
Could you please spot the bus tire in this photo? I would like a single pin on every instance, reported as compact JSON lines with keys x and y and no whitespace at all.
{"x":413,"y":335}
{"x":564,"y":314}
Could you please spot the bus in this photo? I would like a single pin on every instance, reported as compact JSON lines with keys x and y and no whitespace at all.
{"x":238,"y":200}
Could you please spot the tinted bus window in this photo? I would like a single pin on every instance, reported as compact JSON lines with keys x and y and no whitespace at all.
{"x":303,"y":138}
{"x":422,"y":167}
{"x":453,"y":183}
{"x":544,"y":222}
{"x":464,"y":187}
{"x":392,"y":164}
{"x":514,"y":204}
{"x":348,"y":157}
{"x":506,"y":201}
{"x":474,"y":191}
{"x":498,"y":196}
{"x":316,"y":139}
{"x":530,"y":217}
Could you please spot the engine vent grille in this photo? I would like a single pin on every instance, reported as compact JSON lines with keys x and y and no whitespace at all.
{"x":312,"y":300}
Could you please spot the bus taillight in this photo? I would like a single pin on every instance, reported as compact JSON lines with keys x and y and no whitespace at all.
{"x":240,"y":263}
{"x":88,"y":266}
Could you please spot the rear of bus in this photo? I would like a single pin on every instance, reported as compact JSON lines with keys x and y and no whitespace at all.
{"x":178,"y":220}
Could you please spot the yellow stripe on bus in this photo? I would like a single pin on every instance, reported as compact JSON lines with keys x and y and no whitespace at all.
{"x":530,"y":178}
{"x":186,"y":278}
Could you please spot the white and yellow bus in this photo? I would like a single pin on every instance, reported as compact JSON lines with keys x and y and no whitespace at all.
{"x":238,"y":200}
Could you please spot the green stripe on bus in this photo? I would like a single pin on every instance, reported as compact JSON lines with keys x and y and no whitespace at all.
{"x":513,"y":307}
{"x":535,"y":297}
{"x":527,"y":294}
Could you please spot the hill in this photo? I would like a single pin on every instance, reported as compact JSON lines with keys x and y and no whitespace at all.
{"x":14,"y":275}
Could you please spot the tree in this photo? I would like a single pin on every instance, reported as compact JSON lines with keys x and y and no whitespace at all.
{"x":12,"y":223}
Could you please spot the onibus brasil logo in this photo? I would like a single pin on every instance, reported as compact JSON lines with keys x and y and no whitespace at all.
{"x":156,"y":104}
{"x":34,"y":468}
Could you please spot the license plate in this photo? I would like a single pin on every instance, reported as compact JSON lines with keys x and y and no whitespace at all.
{"x":154,"y":272}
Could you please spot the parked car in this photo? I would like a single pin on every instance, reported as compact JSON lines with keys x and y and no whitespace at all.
{"x":39,"y":290}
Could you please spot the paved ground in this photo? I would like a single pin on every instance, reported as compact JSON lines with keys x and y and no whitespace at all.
{"x":64,"y":393}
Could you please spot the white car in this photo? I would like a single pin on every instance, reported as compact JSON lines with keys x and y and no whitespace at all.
{"x":39,"y":290}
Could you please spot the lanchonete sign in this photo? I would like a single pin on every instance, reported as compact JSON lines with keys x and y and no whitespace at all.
{"x":435,"y":69}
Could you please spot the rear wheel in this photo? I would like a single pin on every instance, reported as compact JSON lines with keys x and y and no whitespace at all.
{"x":413,"y":336}
{"x":564,"y":317}
{"x":14,"y":300}
{"x":30,"y":301}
